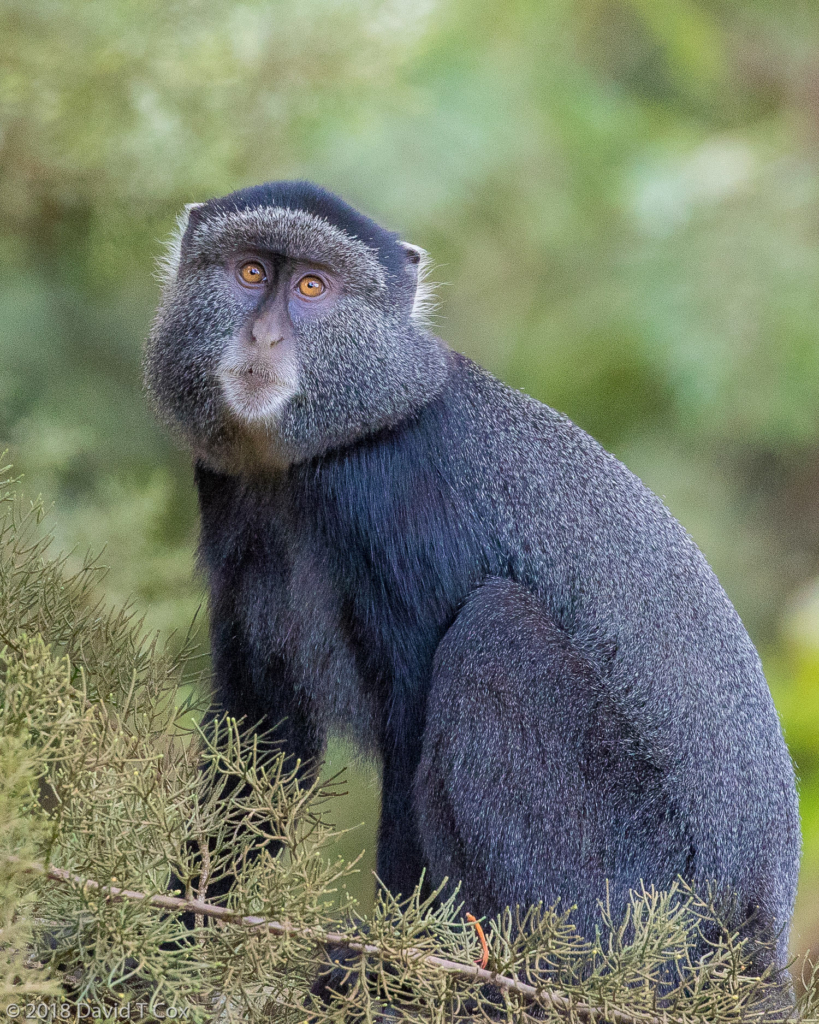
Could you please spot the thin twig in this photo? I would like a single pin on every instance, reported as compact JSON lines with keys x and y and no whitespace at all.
{"x":550,"y":998}
{"x":204,"y":878}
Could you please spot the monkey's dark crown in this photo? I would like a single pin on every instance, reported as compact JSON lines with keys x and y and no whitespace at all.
{"x":308,"y":198}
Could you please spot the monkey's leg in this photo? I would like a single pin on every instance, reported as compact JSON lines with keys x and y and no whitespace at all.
{"x":533,"y":784}
{"x":400,"y":858}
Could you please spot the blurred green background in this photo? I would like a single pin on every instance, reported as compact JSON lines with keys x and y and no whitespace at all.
{"x":621,"y":197}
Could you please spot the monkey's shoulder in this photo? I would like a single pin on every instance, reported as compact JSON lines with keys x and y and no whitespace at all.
{"x":534,"y":459}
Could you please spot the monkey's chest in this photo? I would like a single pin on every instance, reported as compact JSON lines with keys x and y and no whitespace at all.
{"x":296,"y":620}
{"x":357,"y":642}
{"x":354,"y":596}
{"x":383,"y":620}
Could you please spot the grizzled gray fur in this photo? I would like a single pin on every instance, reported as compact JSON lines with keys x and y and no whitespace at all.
{"x":561,"y":697}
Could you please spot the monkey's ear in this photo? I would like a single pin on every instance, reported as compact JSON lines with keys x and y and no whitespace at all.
{"x":418,"y":267}
{"x":415,"y":254}
{"x":189,"y":217}
{"x":168,"y":262}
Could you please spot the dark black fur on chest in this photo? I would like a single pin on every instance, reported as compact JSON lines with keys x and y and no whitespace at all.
{"x":379,"y":526}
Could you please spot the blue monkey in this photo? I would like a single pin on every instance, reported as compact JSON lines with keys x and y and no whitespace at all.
{"x":563,"y":701}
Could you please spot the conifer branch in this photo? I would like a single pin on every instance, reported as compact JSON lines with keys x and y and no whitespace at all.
{"x":550,"y":998}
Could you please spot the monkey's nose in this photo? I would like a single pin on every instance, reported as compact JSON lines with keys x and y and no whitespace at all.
{"x":265,"y":339}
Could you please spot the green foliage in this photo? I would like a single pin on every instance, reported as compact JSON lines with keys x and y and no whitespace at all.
{"x":20,"y":979}
{"x":101,"y":785}
{"x":108,"y":787}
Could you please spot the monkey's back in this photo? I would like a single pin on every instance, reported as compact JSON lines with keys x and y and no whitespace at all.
{"x":619,"y":574}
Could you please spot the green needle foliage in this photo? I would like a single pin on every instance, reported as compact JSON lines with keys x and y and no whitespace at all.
{"x":108,"y":788}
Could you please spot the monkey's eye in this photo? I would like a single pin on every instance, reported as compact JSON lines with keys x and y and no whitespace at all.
{"x":310,"y":286}
{"x":252,"y":273}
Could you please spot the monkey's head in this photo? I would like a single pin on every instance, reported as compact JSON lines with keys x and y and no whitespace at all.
{"x":290,"y":324}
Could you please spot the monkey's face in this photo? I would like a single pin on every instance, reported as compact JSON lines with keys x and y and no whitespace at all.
{"x":281,"y":336}
{"x":259,"y":367}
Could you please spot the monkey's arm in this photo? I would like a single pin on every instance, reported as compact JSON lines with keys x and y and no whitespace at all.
{"x":533,"y":786}
{"x":262,"y":693}
{"x":246,"y":562}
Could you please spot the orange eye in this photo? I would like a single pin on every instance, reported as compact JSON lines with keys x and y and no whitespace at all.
{"x":252,"y":273}
{"x":310,"y":286}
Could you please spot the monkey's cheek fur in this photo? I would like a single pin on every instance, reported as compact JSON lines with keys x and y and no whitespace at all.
{"x":255,"y":393}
